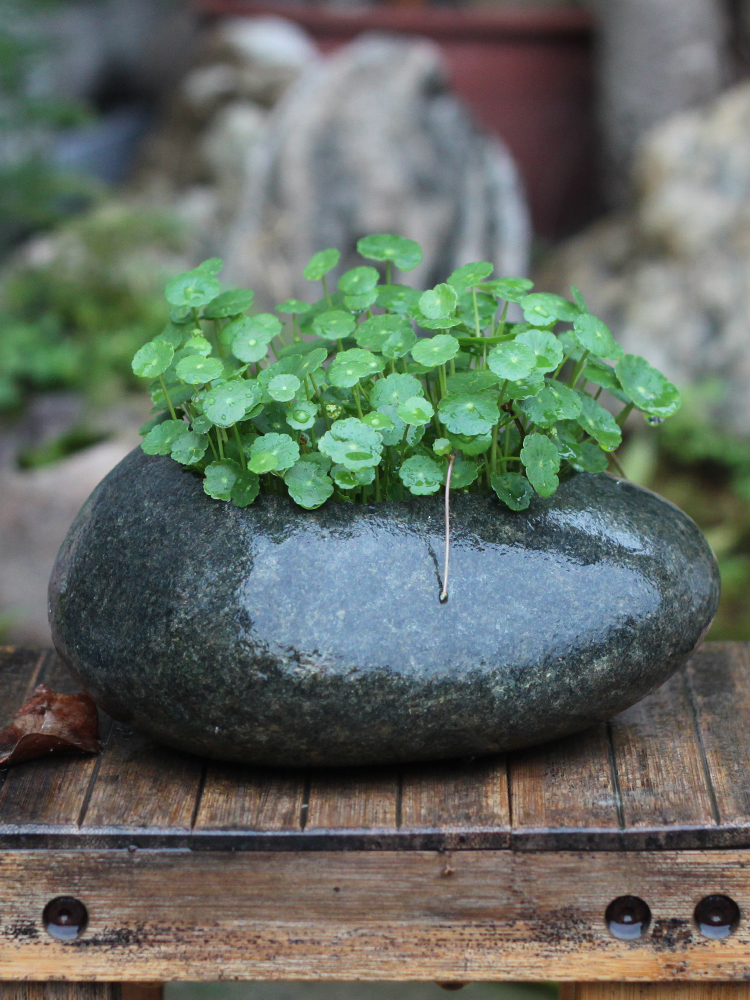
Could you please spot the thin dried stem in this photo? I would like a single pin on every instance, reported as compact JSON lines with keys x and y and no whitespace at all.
{"x":444,"y":591}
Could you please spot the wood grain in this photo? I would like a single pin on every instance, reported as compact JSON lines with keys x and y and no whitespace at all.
{"x":19,"y":673}
{"x":563,"y":794}
{"x":719,"y":677}
{"x":656,"y":991}
{"x":460,"y":800}
{"x":165,"y":915}
{"x":362,"y":799}
{"x":61,"y":991}
{"x":661,"y":776}
{"x":238,"y":798}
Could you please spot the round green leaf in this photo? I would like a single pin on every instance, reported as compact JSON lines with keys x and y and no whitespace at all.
{"x":358,"y":303}
{"x":595,"y":337}
{"x":590,"y":458}
{"x":379,"y":421}
{"x":432,"y":351}
{"x":604,"y":375}
{"x":229,"y":402}
{"x":261,"y":463}
{"x":153,"y":359}
{"x":302,"y":365}
{"x":472,"y":381}
{"x":321,"y":263}
{"x":346,"y":479}
{"x":404,"y":253}
{"x":283,"y":448}
{"x":249,"y":336}
{"x":351,"y":366}
{"x":442,"y":446}
{"x":399,"y":343}
{"x":421,"y":475}
{"x":172,"y":334}
{"x":512,"y":361}
{"x":542,"y":462}
{"x":358,"y":280}
{"x":469,"y":413}
{"x":283,"y":388}
{"x":525,"y":387}
{"x":397,"y":298}
{"x":161,"y":439}
{"x":229,"y":304}
{"x":544,"y":309}
{"x":416,"y":410}
{"x":246,"y":488}
{"x":507,"y":289}
{"x":293,"y":307}
{"x":651,"y":391}
{"x":599,"y":423}
{"x":192,"y":289}
{"x":220,"y":479}
{"x":471,"y":444}
{"x":197,"y":370}
{"x":189,"y":448}
{"x":333,"y":325}
{"x":515,"y":491}
{"x":470,"y":275}
{"x":352,"y":443}
{"x":198,"y":345}
{"x":464,"y":473}
{"x":439,"y":302}
{"x":554,"y":402}
{"x":395,"y":389}
{"x":546,"y":347}
{"x":211,"y":266}
{"x":308,"y":484}
{"x":301,"y":415}
{"x":374,"y":332}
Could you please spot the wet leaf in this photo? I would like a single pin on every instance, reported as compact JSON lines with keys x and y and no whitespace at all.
{"x":470,"y":275}
{"x":543,"y":309}
{"x":377,"y":420}
{"x":308,"y":483}
{"x":333,"y":325}
{"x":605,"y":376}
{"x":651,"y":391}
{"x":514,"y":490}
{"x":321,"y":263}
{"x":594,"y":336}
{"x":433,"y":351}
{"x":283,"y":388}
{"x":554,"y":402}
{"x":469,"y":413}
{"x":471,"y":444}
{"x":512,"y":361}
{"x":228,"y":403}
{"x":189,"y":448}
{"x":507,"y":289}
{"x":438,"y":302}
{"x":399,"y":343}
{"x":301,"y":415}
{"x":346,"y":479}
{"x":473,"y":381}
{"x":358,"y":303}
{"x":421,"y":475}
{"x":245,"y":489}
{"x":264,"y":462}
{"x":416,"y":410}
{"x":394,"y":390}
{"x":211,"y":266}
{"x":525,"y":387}
{"x":590,"y":458}
{"x":397,"y":298}
{"x":374,"y":332}
{"x":403,"y":253}
{"x":358,"y":280}
{"x":50,"y":723}
{"x":281,"y":446}
{"x":153,"y":359}
{"x":192,"y":289}
{"x":542,"y":463}
{"x":173,"y":335}
{"x":442,"y":446}
{"x":229,"y":304}
{"x":293,"y":307}
{"x":546,"y":347}
{"x":352,"y":443}
{"x":351,"y":366}
{"x":161,"y":439}
{"x":599,"y":423}
{"x":220,"y":479}
{"x":197,"y":370}
{"x":464,"y":473}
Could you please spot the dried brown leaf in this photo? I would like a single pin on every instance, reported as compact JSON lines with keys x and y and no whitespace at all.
{"x":49,"y":723}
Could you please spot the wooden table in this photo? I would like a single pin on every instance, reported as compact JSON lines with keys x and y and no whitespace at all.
{"x":492,"y":869}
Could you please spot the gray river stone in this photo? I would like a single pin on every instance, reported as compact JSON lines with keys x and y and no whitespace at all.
{"x":280,"y":636}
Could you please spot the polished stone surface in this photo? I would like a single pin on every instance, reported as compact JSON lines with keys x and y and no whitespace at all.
{"x":282,"y":636}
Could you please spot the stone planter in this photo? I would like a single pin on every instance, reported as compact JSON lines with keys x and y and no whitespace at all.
{"x":280,"y":636}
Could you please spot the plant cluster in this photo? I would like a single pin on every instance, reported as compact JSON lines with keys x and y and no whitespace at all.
{"x":377,"y":390}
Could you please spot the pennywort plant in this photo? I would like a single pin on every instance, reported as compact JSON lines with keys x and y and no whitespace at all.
{"x":377,"y":391}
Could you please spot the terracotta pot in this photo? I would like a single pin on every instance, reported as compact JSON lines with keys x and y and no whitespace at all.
{"x":526,"y":75}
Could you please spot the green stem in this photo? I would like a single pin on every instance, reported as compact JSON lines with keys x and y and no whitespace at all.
{"x":243,"y":463}
{"x":624,"y":414}
{"x":387,"y":272}
{"x":325,"y":291}
{"x":357,"y":401}
{"x":500,"y":331}
{"x":295,"y":334}
{"x":443,"y":381}
{"x":219,"y":442}
{"x":320,"y":400}
{"x":219,"y":345}
{"x":166,"y":396}
{"x":578,"y":369}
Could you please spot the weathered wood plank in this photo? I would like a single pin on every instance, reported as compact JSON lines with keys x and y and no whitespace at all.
{"x":354,"y":799}
{"x":719,"y":677}
{"x":369,"y":915}
{"x":142,"y":786}
{"x":563,"y":794}
{"x":465,"y":802}
{"x":663,"y":784}
{"x":61,"y":991}
{"x":656,"y":991}
{"x":237,"y":798}
{"x":19,"y":673}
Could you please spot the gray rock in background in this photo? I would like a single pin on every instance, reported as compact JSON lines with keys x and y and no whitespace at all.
{"x":656,"y":58}
{"x":672,"y":278}
{"x":372,"y":141}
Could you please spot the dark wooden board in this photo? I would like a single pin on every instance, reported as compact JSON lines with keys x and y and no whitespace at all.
{"x":673,"y":772}
{"x":468,"y":915}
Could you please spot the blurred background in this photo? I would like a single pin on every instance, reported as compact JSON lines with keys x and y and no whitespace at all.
{"x":604,"y":144}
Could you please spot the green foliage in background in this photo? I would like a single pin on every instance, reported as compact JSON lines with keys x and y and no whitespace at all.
{"x":74,"y":321}
{"x":697,"y":465}
{"x":349,"y":402}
